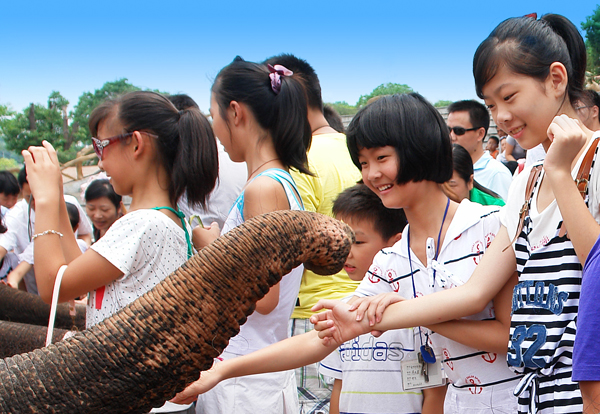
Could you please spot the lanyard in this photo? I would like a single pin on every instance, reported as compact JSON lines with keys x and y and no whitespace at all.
{"x":437,"y":252}
{"x":182,"y":218}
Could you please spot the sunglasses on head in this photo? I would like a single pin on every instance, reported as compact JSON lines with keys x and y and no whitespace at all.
{"x":461,"y":130}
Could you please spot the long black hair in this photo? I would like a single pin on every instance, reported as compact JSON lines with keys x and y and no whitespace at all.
{"x":283,"y":114}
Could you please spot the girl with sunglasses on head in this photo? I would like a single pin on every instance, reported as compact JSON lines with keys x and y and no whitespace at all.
{"x":259,"y":114}
{"x":530,"y":74}
{"x":151,"y":152}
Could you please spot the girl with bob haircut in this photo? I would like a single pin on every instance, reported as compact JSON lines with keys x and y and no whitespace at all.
{"x":259,"y":114}
{"x":151,"y":152}
{"x":402,"y":146}
{"x":530,"y":74}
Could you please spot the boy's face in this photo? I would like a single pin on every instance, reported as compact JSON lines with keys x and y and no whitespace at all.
{"x":368,"y":243}
{"x":8,"y":200}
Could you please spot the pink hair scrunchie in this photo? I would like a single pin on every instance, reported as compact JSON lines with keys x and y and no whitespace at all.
{"x":277,"y":72}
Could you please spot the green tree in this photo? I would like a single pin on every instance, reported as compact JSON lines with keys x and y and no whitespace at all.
{"x":7,"y":164}
{"x":37,"y":123}
{"x":344,"y":108}
{"x":591,"y":26}
{"x":89,"y":100}
{"x":384,"y":89}
{"x":441,"y":103}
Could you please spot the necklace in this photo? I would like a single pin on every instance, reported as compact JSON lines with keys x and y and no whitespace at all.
{"x":260,"y":166}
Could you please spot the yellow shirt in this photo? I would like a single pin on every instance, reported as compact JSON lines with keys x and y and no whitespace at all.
{"x":329,"y":160}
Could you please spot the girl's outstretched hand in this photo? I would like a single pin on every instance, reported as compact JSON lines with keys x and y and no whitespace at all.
{"x":567,"y":138}
{"x":43,"y":171}
{"x":338,"y":323}
{"x":374,"y":306}
{"x":206,"y":382}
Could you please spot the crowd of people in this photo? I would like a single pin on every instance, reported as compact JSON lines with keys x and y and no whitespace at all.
{"x":470,"y":287}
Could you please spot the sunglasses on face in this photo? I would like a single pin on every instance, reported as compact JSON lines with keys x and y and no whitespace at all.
{"x":100,"y":144}
{"x":461,"y":130}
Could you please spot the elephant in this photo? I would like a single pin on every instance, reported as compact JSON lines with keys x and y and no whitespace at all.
{"x":19,"y":306}
{"x":18,"y":338}
{"x":154,"y":347}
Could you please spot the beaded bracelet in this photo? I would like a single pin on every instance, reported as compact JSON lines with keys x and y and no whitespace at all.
{"x":46,"y":232}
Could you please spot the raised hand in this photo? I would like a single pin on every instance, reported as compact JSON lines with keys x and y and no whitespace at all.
{"x":43,"y":172}
{"x":568,"y":138}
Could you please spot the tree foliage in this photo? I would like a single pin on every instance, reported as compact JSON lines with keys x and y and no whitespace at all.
{"x":8,"y":164}
{"x":344,"y":108}
{"x":442,"y":103}
{"x":37,"y":123}
{"x":89,"y":100}
{"x":68,"y":132}
{"x":591,"y":26}
{"x":384,"y":89}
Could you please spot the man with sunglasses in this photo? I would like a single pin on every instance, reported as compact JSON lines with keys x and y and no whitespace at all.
{"x":468,"y":122}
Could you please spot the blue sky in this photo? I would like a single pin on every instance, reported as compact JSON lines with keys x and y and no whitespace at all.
{"x":75,"y":46}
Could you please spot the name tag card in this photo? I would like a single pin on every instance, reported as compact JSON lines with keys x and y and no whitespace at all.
{"x":413,"y":377}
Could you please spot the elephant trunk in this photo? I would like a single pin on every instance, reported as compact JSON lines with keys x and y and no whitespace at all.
{"x":150,"y":350}
{"x":18,"y":338}
{"x":23,"y":307}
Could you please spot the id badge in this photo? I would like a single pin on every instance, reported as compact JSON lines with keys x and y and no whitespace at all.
{"x":413,"y":377}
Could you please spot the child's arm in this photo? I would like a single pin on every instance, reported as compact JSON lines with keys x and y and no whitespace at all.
{"x":334,"y":402}
{"x":43,"y":175}
{"x":433,"y":400}
{"x":18,"y":273}
{"x":491,"y":275}
{"x":265,"y":195}
{"x":489,"y":335}
{"x":568,"y":138}
{"x":290,"y":353}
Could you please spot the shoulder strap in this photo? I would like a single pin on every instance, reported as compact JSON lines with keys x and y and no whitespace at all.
{"x":533,"y":177}
{"x":583,"y":175}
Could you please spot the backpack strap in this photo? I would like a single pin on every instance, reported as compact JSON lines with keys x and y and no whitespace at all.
{"x":583,"y":175}
{"x":524,"y":212}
